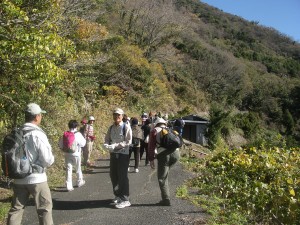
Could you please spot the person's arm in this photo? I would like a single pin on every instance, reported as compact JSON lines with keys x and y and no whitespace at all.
{"x":80,"y":139}
{"x":45,"y":156}
{"x":107,"y":136}
{"x":152,"y":147}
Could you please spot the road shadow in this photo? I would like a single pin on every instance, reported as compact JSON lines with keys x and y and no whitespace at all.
{"x":102,"y":159}
{"x":93,"y":172}
{"x":78,"y":205}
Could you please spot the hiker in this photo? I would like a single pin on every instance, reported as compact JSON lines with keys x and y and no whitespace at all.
{"x":144,"y":143}
{"x":89,"y":137}
{"x":178,"y":125}
{"x":126,"y":119}
{"x":73,"y":158}
{"x":83,"y":125}
{"x":137,"y":136}
{"x":144,"y":116}
{"x":117,"y":142}
{"x":35,"y":184}
{"x":164,"y":161}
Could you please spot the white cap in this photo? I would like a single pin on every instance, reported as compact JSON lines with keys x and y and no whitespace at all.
{"x":91,"y":118}
{"x":118,"y":111}
{"x":34,"y":109}
{"x":160,"y":121}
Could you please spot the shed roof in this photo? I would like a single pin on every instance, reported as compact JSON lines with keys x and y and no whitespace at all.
{"x":194,"y":118}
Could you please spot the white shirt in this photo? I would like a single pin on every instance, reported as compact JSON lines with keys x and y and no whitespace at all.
{"x":40,"y":153}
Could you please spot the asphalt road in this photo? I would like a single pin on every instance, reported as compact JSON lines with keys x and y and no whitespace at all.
{"x":91,"y":203}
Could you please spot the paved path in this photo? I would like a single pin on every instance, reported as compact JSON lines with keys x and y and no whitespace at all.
{"x":91,"y":203}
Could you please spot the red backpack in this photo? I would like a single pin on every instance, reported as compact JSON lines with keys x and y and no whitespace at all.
{"x":69,"y":143}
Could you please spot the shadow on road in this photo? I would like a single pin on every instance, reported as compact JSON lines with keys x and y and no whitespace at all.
{"x":77,"y":205}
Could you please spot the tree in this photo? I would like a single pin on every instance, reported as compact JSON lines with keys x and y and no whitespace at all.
{"x":150,"y":23}
{"x":32,"y":54}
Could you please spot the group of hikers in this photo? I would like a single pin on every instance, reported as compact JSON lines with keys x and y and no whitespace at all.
{"x":122,"y":138}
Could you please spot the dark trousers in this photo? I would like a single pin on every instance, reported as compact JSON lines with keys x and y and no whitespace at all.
{"x":144,"y":148}
{"x":119,"y":175}
{"x":136,"y":151}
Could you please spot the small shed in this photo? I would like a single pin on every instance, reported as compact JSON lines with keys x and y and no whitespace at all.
{"x":195,"y":128}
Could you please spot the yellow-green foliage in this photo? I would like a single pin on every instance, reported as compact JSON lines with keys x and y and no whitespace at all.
{"x":263,"y":183}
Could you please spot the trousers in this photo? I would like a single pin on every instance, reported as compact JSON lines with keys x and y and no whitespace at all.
{"x":119,"y":175}
{"x":164,"y":163}
{"x":43,"y":201}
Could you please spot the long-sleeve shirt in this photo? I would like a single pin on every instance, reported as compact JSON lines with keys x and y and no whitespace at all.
{"x":40,"y":153}
{"x":119,"y":137}
{"x":89,"y":132}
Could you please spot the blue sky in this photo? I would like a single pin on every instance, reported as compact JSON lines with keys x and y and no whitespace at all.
{"x":283,"y":15}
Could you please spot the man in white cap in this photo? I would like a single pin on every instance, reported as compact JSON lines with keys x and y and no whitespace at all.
{"x":89,"y":137}
{"x":117,"y":142}
{"x":164,"y":160}
{"x":35,"y":184}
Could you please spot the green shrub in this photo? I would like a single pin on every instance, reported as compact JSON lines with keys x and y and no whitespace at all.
{"x":262,"y":183}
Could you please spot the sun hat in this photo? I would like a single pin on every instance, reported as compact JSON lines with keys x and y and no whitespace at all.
{"x":160,"y":121}
{"x":83,"y":121}
{"x":91,"y":118}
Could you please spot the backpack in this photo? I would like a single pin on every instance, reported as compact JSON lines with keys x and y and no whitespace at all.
{"x":69,"y":142}
{"x":15,"y":157}
{"x":170,"y":140}
{"x":135,"y":141}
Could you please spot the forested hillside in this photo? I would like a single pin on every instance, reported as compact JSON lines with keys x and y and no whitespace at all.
{"x":85,"y":57}
{"x":80,"y":57}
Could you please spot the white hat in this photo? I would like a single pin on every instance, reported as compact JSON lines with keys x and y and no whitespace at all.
{"x":159,"y":121}
{"x":91,"y":118}
{"x":118,"y":111}
{"x":34,"y":109}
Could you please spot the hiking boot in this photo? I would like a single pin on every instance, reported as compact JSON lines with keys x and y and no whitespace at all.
{"x":123,"y":204}
{"x":136,"y":170}
{"x":81,"y":183}
{"x":164,"y":202}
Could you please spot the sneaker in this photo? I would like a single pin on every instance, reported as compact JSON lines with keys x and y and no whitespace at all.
{"x":136,"y":170}
{"x":81,"y":183}
{"x":116,"y":200}
{"x":71,"y":189}
{"x":123,"y":204}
